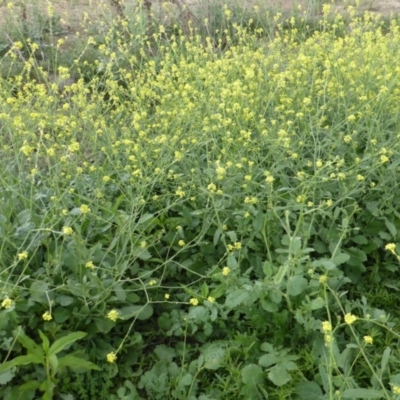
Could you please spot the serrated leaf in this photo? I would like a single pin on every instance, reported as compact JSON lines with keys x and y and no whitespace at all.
{"x":144,"y":218}
{"x":144,"y":254}
{"x":6,"y":376}
{"x":76,"y":362}
{"x":60,"y":344}
{"x":362,"y":394}
{"x":237,"y":297}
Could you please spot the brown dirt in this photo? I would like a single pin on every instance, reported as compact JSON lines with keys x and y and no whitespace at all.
{"x":84,"y":15}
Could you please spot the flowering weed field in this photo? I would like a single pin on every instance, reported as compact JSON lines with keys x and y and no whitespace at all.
{"x":195,"y":215}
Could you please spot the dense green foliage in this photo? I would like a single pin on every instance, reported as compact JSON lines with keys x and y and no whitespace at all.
{"x":190,"y":218}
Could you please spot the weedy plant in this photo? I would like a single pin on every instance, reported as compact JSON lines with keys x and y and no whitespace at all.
{"x":198,"y":218}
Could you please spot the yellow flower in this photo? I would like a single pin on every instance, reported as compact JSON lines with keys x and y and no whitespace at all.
{"x":84,"y":209}
{"x":211,"y":299}
{"x":181,"y":243}
{"x":368,"y":339}
{"x":152,"y":282}
{"x":396,"y":389}
{"x":67,"y":230}
{"x":384,"y":159}
{"x":7,"y":303}
{"x":47,"y":316}
{"x":318,"y":163}
{"x":22,"y":256}
{"x":106,"y":178}
{"x":90,"y":265}
{"x":237,"y":245}
{"x":226,"y":271}
{"x":350,"y":318}
{"x":328,"y":339}
{"x":111,"y":357}
{"x":329,"y":203}
{"x":113,"y":315}
{"x":193,"y":301}
{"x":212,"y":187}
{"x":323,"y":279}
{"x":269,"y":179}
{"x":166,"y":296}
{"x":326,"y":326}
{"x":391,"y":247}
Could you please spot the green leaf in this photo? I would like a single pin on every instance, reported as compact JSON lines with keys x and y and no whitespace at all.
{"x":60,"y":344}
{"x":29,"y":344}
{"x":231,"y":262}
{"x":45,"y":341}
{"x":279,"y":375}
{"x":341,"y":258}
{"x":53,"y":361}
{"x":362,"y":394}
{"x":21,"y":360}
{"x":140,"y":312}
{"x":324,"y":262}
{"x":76,"y":362}
{"x":281,"y":273}
{"x":309,"y":391}
{"x":214,"y":356}
{"x":252,"y":375}
{"x":204,"y":290}
{"x":144,"y":254}
{"x":296,"y":285}
{"x":385,"y":359}
{"x":391,"y":227}
{"x":6,"y":376}
{"x":317,"y":303}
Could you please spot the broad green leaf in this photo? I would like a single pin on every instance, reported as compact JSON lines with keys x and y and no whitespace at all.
{"x":60,"y":344}
{"x":214,"y":356}
{"x":21,"y":360}
{"x":317,"y":303}
{"x":362,"y":394}
{"x":341,"y":258}
{"x":279,"y":375}
{"x":252,"y":375}
{"x":29,"y":344}
{"x":76,"y":362}
{"x":324,"y":262}
{"x":6,"y":376}
{"x":309,"y":391}
{"x":296,"y":285}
